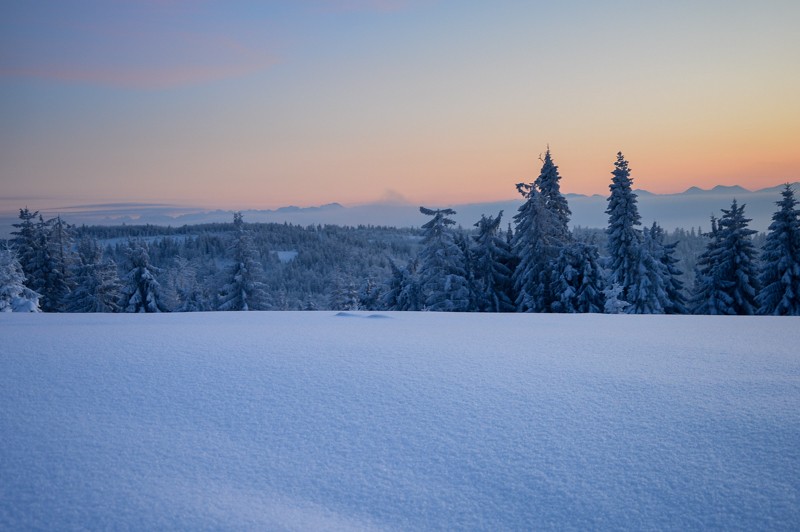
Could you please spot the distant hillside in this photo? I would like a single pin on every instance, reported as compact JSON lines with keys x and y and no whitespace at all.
{"x":691,"y":208}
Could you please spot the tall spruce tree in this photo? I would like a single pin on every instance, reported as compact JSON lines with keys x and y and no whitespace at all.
{"x":707,"y":284}
{"x":442,"y":273}
{"x":491,"y":255}
{"x":624,"y":239}
{"x":97,"y":285}
{"x":548,"y":184}
{"x":780,"y":261}
{"x":244,"y":289}
{"x":648,"y":294}
{"x":727,"y":282}
{"x":675,"y":300}
{"x":542,"y":231}
{"x":537,"y":246}
{"x":143,"y":292}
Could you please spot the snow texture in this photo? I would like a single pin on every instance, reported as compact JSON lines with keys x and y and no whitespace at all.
{"x":305,"y":420}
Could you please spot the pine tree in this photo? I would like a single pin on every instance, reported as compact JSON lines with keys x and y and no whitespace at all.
{"x":676,"y":300}
{"x":707,"y":284}
{"x":536,"y":245}
{"x":344,"y":295}
{"x":727,"y":282}
{"x":442,"y":275}
{"x":578,"y":280}
{"x":402,"y":291}
{"x":14,"y":295}
{"x":549,"y":187}
{"x":613,"y":302}
{"x":97,"y":285}
{"x":648,"y":294}
{"x":143,"y":291}
{"x":244,"y":289}
{"x":624,"y":239}
{"x":491,"y":254}
{"x":780,"y":261}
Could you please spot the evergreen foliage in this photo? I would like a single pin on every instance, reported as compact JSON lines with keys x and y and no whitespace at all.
{"x":780,"y":261}
{"x":578,"y":280}
{"x":143,"y":291}
{"x":548,"y":184}
{"x":442,"y":272}
{"x":14,"y":295}
{"x":727,"y":282}
{"x":624,"y":239}
{"x":536,"y":245}
{"x":491,"y":255}
{"x":244,"y":289}
{"x":97,"y":284}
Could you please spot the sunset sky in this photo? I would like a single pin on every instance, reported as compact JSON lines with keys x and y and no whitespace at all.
{"x":259,"y":104}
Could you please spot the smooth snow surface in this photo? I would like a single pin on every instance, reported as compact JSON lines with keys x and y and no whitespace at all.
{"x":298,"y":421}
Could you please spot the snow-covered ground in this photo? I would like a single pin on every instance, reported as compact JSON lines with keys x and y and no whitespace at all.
{"x":315,"y":420}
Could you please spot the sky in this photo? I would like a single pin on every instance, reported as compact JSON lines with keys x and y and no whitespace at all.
{"x":261,"y":104}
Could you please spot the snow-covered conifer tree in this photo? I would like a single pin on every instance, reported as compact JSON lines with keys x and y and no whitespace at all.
{"x":707,"y":284}
{"x":536,"y":245}
{"x":344,"y":295}
{"x":143,"y":292}
{"x":244,"y":289}
{"x":491,"y":254}
{"x":14,"y":295}
{"x":402,"y":291}
{"x":624,"y":239}
{"x":675,"y":302}
{"x":97,"y":285}
{"x":780,"y":261}
{"x":549,"y":187}
{"x":648,"y":293}
{"x":727,"y":280}
{"x":578,"y":284}
{"x":442,"y":275}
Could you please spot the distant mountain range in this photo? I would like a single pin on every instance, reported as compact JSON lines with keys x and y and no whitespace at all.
{"x":691,"y":208}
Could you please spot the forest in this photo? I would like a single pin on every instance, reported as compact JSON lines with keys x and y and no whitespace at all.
{"x":530,"y":262}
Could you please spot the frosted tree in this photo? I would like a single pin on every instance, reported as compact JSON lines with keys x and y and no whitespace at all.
{"x":143,"y":291}
{"x":402,"y":290}
{"x":624,"y":239}
{"x":578,"y":281}
{"x":491,"y":254}
{"x":344,"y":295}
{"x":676,"y":299}
{"x":648,"y":293}
{"x":727,"y":281}
{"x":97,"y":285}
{"x":14,"y":295}
{"x":244,"y":289}
{"x":548,"y":184}
{"x":442,"y":275}
{"x":183,"y":289}
{"x":536,"y":244}
{"x":44,"y":274}
{"x":780,"y":261}
{"x":542,"y":230}
{"x":707,"y":283}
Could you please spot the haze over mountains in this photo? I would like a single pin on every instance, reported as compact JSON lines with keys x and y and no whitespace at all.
{"x":691,"y":208}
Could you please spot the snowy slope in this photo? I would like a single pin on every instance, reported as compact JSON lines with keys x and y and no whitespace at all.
{"x":411,"y":421}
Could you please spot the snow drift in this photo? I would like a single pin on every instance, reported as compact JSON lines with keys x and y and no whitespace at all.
{"x":415,"y":421}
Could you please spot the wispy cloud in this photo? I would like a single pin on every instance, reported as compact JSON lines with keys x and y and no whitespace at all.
{"x":143,"y":46}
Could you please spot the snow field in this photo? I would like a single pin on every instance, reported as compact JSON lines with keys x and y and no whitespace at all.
{"x":313,"y":420}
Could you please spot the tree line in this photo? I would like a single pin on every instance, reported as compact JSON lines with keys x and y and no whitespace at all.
{"x":538,"y":264}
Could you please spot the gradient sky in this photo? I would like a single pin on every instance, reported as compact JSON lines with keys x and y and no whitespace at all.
{"x":259,"y":104}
